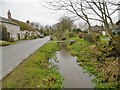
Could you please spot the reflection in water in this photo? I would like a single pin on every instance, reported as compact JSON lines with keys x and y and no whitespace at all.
{"x":74,"y":76}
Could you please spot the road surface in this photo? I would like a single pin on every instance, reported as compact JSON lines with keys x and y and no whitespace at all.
{"x":13,"y":55}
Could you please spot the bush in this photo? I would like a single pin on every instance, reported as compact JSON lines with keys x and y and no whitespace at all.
{"x":67,"y":35}
{"x":88,"y":37}
{"x":77,"y":30}
{"x":92,"y":37}
{"x":80,"y":35}
{"x":46,"y":32}
{"x":102,"y":65}
{"x":11,"y":40}
{"x":3,"y":33}
{"x":4,"y":43}
{"x":71,"y":35}
{"x":96,"y":37}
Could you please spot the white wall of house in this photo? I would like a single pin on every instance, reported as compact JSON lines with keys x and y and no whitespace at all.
{"x":30,"y":33}
{"x":35,"y":33}
{"x":13,"y":30}
{"x":22,"y":34}
{"x":103,"y":33}
{"x":38,"y":33}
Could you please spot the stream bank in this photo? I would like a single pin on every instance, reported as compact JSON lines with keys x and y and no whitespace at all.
{"x":74,"y":75}
{"x":104,"y":66}
{"x":35,"y":71}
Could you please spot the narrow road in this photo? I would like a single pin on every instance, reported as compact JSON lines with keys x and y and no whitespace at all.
{"x":73,"y":74}
{"x":13,"y":55}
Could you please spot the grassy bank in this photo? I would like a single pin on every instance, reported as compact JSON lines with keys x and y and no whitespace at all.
{"x":36,"y":71}
{"x":103,"y":67}
{"x":4,"y":43}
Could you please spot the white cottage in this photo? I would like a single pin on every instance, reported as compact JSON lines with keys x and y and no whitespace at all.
{"x":18,"y":29}
{"x":12,"y":28}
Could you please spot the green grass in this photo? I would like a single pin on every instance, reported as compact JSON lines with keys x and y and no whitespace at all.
{"x":5,"y":43}
{"x":105,"y":72}
{"x":36,"y":71}
{"x":104,"y":39}
{"x":78,"y":45}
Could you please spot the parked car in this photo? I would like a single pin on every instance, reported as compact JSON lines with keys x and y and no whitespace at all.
{"x":42,"y":36}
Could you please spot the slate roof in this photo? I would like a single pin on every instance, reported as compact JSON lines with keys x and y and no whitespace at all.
{"x":96,"y":28}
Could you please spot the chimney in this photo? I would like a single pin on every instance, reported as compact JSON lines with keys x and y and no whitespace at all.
{"x":28,"y":22}
{"x":9,"y":14}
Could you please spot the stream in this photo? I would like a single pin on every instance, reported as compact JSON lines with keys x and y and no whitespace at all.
{"x":74,"y":75}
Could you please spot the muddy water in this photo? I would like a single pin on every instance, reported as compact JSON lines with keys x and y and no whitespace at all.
{"x":74,"y":76}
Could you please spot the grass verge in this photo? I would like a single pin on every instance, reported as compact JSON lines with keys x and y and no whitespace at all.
{"x":4,"y":43}
{"x":36,"y":71}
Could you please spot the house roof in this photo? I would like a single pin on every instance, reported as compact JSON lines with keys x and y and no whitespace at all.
{"x":5,"y":20}
{"x":23,"y":25}
{"x":96,"y":28}
{"x":117,"y":23}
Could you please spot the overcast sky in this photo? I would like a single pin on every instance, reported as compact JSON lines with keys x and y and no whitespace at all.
{"x":24,"y":10}
{"x":30,"y":10}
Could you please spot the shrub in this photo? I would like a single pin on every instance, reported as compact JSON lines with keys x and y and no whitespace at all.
{"x":46,"y":32}
{"x":67,"y":35}
{"x":71,"y":35}
{"x":88,"y":37}
{"x":96,"y":37}
{"x":3,"y":33}
{"x":80,"y":35}
{"x":4,"y":43}
{"x":92,"y":37}
{"x":11,"y":40}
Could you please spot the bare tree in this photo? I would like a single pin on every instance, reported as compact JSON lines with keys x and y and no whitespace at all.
{"x":104,"y":8}
{"x":76,"y":7}
{"x":65,"y":24}
{"x":84,"y":9}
